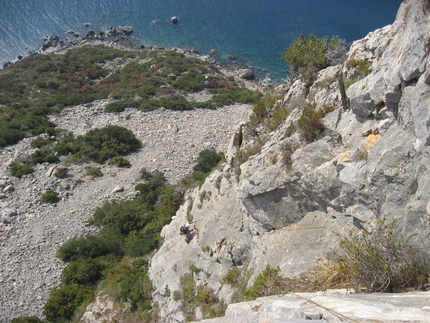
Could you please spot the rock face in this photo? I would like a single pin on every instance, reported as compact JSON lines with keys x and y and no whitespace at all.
{"x":374,"y":163}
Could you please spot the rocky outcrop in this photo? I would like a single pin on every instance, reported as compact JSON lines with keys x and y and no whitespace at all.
{"x":330,"y":306}
{"x":288,"y":205}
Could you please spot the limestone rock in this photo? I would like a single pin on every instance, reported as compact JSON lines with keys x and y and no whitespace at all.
{"x":372,"y":163}
{"x":118,"y":189}
{"x":246,"y":74}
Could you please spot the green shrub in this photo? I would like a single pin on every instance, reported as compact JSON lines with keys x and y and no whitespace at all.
{"x":94,"y":172}
{"x":233,"y":277}
{"x":10,"y":136}
{"x":307,"y":56}
{"x":268,"y":111}
{"x":100,"y":144}
{"x":41,"y":142}
{"x":206,"y":161}
{"x":85,"y":272}
{"x":130,"y":284}
{"x":50,"y":197}
{"x":119,"y":161}
{"x":310,"y":124}
{"x":27,"y":319}
{"x":41,"y":156}
{"x":62,"y":304}
{"x":108,"y":242}
{"x":381,"y":260}
{"x":192,"y":296}
{"x":120,"y":106}
{"x":145,"y":174}
{"x":362,"y":66}
{"x":19,"y":170}
{"x":267,"y":283}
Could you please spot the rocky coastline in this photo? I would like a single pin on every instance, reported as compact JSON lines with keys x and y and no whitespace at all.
{"x":123,"y":38}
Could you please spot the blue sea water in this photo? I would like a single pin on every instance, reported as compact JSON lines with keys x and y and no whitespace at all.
{"x":256,"y":31}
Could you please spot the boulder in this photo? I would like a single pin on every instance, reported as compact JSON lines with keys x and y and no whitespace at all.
{"x":127,"y":29}
{"x":52,"y":41}
{"x":90,"y":35}
{"x":213,"y":52}
{"x":246,"y":74}
{"x":118,"y":189}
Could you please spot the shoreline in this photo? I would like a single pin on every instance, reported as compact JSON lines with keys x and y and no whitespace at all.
{"x":124,"y":41}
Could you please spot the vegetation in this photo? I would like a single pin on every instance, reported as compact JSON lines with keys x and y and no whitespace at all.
{"x":43,"y":84}
{"x":27,"y":319}
{"x":306,"y":56}
{"x":381,"y":260}
{"x":99,"y":144}
{"x":94,"y":172}
{"x":309,"y":123}
{"x":192,"y":297}
{"x":268,"y":111}
{"x":206,"y":162}
{"x":129,"y":228}
{"x":18,"y":170}
{"x":50,"y":197}
{"x":362,"y":66}
{"x":119,"y":161}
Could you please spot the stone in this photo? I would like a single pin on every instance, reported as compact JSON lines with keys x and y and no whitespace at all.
{"x":213,"y":52}
{"x":52,"y":41}
{"x":246,"y":74}
{"x":8,"y":188}
{"x":91,"y":34}
{"x":127,"y":29}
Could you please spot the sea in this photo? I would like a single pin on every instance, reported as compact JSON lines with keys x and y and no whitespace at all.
{"x":255,"y":31}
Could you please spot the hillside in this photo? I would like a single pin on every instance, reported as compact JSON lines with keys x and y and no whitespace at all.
{"x":171,"y":138}
{"x":310,"y":166}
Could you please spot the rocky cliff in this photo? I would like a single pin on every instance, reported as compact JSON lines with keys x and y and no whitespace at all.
{"x":373,"y":163}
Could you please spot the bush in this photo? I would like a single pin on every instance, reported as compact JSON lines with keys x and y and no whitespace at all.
{"x":307,"y":56}
{"x":63,"y":303}
{"x":267,"y":283}
{"x":18,"y":170}
{"x":119,"y":161}
{"x":41,"y":156}
{"x":50,"y":197}
{"x":85,"y":272}
{"x":310,"y":124}
{"x":94,"y":172}
{"x":108,"y":242}
{"x":206,"y":161}
{"x":41,"y":142}
{"x":100,"y":144}
{"x":192,"y":296}
{"x":27,"y":319}
{"x":10,"y":136}
{"x":129,"y":284}
{"x":381,"y":260}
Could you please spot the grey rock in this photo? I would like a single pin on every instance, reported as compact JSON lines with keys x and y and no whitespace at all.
{"x":8,"y":188}
{"x":118,"y":189}
{"x":246,"y":74}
